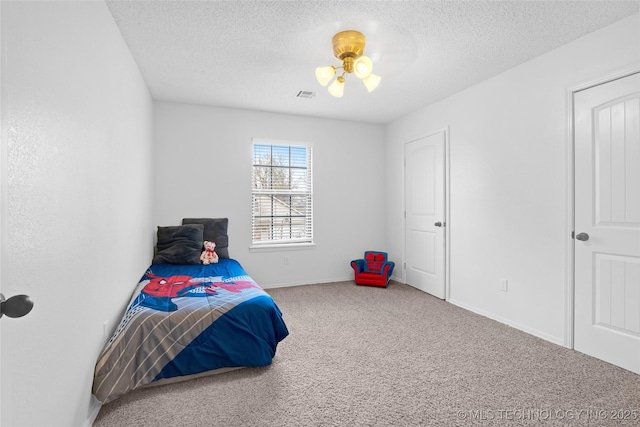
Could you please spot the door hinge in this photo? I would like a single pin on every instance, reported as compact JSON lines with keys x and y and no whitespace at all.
{"x":573,"y":234}
{"x":404,"y":265}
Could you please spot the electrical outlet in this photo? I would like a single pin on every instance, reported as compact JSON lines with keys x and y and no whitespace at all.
{"x":286,"y":260}
{"x":504,"y":285}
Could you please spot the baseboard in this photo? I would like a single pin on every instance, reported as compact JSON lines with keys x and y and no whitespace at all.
{"x":307,"y":282}
{"x":320,"y":281}
{"x":397,"y":279}
{"x":523,"y":328}
{"x":94,"y":409}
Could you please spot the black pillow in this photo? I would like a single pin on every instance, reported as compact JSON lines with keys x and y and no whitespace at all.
{"x":180,"y":244}
{"x":215,"y":230}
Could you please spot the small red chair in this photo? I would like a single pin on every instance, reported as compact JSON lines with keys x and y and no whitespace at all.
{"x":373,"y":270}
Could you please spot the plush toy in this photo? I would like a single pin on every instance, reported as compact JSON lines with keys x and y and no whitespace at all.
{"x":208,"y":255}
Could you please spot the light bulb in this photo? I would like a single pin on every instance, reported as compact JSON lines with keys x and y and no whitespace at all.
{"x":337,"y":87}
{"x":362,"y":67}
{"x":371,"y":82}
{"x":325,"y":74}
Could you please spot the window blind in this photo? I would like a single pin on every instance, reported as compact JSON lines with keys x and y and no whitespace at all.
{"x":282,"y":194}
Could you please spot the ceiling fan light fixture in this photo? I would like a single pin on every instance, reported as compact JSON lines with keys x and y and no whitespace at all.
{"x":337,"y":87}
{"x":363,"y":67}
{"x":371,"y":82}
{"x":348,"y":46}
{"x":325,"y":74}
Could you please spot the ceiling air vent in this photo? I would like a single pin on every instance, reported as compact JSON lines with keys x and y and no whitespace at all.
{"x":305,"y":94}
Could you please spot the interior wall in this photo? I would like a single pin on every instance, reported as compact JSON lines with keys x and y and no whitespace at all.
{"x":202,"y":167}
{"x":509,"y":180}
{"x":78,"y":121}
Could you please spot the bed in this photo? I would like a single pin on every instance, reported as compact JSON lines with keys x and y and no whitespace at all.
{"x":187,"y":319}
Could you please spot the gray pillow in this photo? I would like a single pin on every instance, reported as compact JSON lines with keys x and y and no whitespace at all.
{"x":180,"y":244}
{"x":215,"y":230}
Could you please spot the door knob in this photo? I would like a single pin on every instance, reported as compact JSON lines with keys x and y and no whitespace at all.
{"x":16,"y":306}
{"x":438,"y":224}
{"x":582,"y":237}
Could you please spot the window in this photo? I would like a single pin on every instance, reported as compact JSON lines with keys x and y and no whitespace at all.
{"x":282,"y":194}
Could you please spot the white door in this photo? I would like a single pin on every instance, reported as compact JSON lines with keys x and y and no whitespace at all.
{"x":3,"y":150}
{"x":2,"y":181}
{"x":425,"y":214}
{"x":607,"y":222}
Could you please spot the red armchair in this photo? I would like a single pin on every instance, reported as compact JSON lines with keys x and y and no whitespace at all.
{"x":373,"y":270}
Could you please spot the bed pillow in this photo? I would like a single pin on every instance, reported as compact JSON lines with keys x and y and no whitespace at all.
{"x":215,"y":230}
{"x":180,"y":244}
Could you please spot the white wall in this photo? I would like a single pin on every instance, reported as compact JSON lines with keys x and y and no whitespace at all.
{"x":202,"y":168}
{"x":508,"y":177}
{"x":77,"y":121}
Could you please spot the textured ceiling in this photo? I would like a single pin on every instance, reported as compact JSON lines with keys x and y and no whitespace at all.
{"x":257,"y":55}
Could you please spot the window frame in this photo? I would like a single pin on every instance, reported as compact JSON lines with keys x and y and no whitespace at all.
{"x":289,"y":243}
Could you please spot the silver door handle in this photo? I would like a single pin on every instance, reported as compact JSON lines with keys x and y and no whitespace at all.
{"x":16,"y":306}
{"x":438,"y":224}
{"x":583,"y":237}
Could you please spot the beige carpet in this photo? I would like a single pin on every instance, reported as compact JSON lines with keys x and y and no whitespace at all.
{"x":364,"y":356}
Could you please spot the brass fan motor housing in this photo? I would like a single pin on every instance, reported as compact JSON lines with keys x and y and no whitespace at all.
{"x":348,"y":44}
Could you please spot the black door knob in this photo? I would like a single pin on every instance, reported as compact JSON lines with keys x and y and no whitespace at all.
{"x":16,"y":306}
{"x":583,"y":237}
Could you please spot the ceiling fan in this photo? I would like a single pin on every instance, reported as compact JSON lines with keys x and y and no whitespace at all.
{"x":348,"y":46}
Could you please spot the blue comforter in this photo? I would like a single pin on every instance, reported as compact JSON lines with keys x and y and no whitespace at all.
{"x":189,"y":319}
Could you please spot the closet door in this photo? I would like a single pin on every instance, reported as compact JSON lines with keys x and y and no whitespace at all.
{"x":607,"y":222}
{"x":425,"y":214}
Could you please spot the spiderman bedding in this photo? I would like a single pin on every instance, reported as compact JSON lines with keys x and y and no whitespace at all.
{"x":188,"y":319}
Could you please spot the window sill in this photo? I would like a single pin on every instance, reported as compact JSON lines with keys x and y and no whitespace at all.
{"x":282,"y":247}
